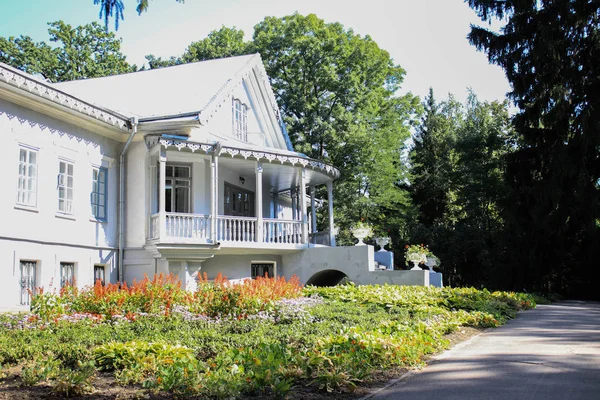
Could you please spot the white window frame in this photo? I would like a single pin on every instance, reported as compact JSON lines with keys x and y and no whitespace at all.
{"x":28,"y":282}
{"x":239,"y":119}
{"x":98,"y":197}
{"x":99,"y":267}
{"x":63,"y":183}
{"x":28,"y":177}
{"x":65,"y":265}
{"x":173,"y":182}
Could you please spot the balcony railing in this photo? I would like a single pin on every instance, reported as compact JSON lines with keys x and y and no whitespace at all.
{"x":228,"y":229}
{"x":180,"y":225}
{"x":236,"y":229}
{"x":282,"y":231}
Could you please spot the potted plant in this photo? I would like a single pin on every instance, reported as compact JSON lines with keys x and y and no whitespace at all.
{"x":361,"y":230}
{"x":419,"y":254}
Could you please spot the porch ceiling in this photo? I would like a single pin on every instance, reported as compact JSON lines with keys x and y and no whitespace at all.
{"x":275,"y":175}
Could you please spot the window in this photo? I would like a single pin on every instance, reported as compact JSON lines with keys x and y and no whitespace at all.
{"x":240,"y":120}
{"x":65,"y":187}
{"x":98,"y":195}
{"x":262,"y":269}
{"x":67,"y":274}
{"x":99,"y":273}
{"x":27,"y":187}
{"x":28,"y":275}
{"x":178,"y":184}
{"x":238,"y":202}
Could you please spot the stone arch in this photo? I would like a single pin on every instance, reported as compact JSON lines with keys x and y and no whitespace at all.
{"x":328,"y":277}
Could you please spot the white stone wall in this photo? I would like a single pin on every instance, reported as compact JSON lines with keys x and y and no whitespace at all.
{"x":237,"y":266}
{"x":40,"y":232}
{"x":356,"y":262}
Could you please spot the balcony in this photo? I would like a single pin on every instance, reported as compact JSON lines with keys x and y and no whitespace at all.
{"x":230,"y":231}
{"x":232,"y":201}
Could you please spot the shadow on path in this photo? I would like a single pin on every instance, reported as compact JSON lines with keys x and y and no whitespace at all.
{"x":551,"y":352}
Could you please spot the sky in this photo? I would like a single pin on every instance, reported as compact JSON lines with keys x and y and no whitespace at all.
{"x":426,"y":37}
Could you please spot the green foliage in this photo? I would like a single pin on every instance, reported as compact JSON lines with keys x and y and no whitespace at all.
{"x":155,"y":365}
{"x":459,"y":189}
{"x":40,"y":370}
{"x":47,"y":305}
{"x":333,"y":340}
{"x":86,"y":51}
{"x":226,"y":42}
{"x":553,"y":175}
{"x":75,"y":382}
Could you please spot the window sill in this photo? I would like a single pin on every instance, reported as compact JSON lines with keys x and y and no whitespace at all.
{"x":26,"y":208}
{"x":70,"y":217}
{"x":98,"y":220}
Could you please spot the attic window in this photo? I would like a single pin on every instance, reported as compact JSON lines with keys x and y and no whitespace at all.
{"x":240,"y":120}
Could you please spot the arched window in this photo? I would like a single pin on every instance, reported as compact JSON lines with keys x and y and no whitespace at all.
{"x":240,"y":120}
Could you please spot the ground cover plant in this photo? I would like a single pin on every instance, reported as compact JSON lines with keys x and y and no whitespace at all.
{"x":258,"y":337}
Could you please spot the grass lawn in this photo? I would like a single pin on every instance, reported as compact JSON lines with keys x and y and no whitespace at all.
{"x":266,"y":337}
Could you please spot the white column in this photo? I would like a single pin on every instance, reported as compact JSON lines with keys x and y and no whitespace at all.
{"x":259,"y":204}
{"x":313,"y":210}
{"x":303,"y":206}
{"x":214,"y":196}
{"x":162,"y":193}
{"x":330,"y":204}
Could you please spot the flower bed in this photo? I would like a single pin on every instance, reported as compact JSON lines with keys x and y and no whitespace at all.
{"x":258,"y":337}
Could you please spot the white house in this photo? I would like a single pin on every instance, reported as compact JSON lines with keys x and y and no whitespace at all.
{"x":177,"y":170}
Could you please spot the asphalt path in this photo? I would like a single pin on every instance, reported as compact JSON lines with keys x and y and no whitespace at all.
{"x":550,"y":352}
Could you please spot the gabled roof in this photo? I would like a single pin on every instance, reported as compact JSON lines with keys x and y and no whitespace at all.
{"x":180,"y":89}
{"x":197,"y":89}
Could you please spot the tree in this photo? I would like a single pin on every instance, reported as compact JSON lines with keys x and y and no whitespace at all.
{"x":226,"y":42}
{"x":337,"y":92}
{"x":154,"y":63}
{"x":23,"y":53}
{"x":549,"y":50}
{"x":432,"y":157}
{"x":83,"y":52}
{"x":115,"y":8}
{"x":458,"y":166}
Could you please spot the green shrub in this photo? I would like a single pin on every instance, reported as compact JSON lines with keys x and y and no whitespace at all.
{"x":40,"y":370}
{"x":75,"y":382}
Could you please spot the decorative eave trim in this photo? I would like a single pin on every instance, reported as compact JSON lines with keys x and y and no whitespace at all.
{"x":20,"y":80}
{"x":10,"y":117}
{"x":217,"y":149}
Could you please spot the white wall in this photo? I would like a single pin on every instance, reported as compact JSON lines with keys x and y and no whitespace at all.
{"x":221,"y":124}
{"x":136,"y":205}
{"x":357,"y":262}
{"x":236,"y":266}
{"x":40,"y":232}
